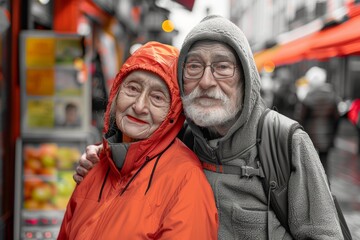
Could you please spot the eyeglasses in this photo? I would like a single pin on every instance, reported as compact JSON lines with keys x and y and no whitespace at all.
{"x":220,"y":70}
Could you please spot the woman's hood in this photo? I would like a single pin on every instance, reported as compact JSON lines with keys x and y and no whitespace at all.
{"x":159,"y":59}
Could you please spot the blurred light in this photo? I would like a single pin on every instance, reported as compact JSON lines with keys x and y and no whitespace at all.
{"x":47,"y":235}
{"x":29,"y":235}
{"x":44,"y":2}
{"x":269,"y":67}
{"x":134,"y":47}
{"x":167,"y":26}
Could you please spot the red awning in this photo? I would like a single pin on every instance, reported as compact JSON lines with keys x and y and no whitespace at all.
{"x":188,"y":4}
{"x":293,"y":51}
{"x":337,"y":41}
{"x":340,"y":40}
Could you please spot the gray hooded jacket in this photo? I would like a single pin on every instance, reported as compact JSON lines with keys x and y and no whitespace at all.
{"x":242,"y":202}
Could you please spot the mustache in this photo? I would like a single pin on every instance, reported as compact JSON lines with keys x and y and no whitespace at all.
{"x":214,"y":93}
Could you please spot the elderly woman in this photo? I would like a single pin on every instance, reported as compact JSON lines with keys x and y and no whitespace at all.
{"x":152,"y":186}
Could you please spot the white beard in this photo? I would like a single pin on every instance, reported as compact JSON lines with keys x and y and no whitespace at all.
{"x":203,"y":114}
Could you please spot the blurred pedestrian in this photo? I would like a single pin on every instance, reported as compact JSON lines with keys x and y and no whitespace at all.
{"x":284,"y":99}
{"x":152,"y":187}
{"x":267,"y":88}
{"x":318,"y":113}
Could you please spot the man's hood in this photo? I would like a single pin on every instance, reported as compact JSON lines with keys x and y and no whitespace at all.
{"x":220,"y":29}
{"x":160,"y":59}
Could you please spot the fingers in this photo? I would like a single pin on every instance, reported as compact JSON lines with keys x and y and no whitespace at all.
{"x":80,"y":174}
{"x":81,"y":171}
{"x":77,"y":178}
{"x":92,"y":152}
{"x":85,"y":163}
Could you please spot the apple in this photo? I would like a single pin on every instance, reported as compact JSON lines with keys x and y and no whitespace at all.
{"x":42,"y":193}
{"x":48,"y":149}
{"x":33,"y":163}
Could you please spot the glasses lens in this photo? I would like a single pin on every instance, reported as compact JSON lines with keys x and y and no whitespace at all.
{"x":193,"y":70}
{"x":223,"y":69}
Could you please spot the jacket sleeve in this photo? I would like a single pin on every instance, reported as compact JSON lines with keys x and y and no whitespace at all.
{"x":312,"y":213}
{"x":191,"y":213}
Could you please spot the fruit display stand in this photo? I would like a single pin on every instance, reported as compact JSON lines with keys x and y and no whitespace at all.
{"x":44,"y":184}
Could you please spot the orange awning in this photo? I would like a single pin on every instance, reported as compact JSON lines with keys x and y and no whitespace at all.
{"x":340,"y":40}
{"x":293,"y":51}
{"x":265,"y":57}
{"x":337,"y":41}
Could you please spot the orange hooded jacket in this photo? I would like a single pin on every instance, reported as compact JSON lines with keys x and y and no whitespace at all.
{"x":161,"y":191}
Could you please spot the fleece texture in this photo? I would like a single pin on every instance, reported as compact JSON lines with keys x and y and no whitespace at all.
{"x":242,"y":202}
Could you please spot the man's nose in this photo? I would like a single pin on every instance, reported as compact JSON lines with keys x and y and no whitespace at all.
{"x":141,"y":104}
{"x":207,"y":81}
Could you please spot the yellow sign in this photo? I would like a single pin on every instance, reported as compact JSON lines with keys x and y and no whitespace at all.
{"x":40,"y":82}
{"x":40,"y":113}
{"x":40,"y":52}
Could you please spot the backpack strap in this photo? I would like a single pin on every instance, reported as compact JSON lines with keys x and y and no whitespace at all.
{"x":274,"y":136}
{"x":243,"y":171}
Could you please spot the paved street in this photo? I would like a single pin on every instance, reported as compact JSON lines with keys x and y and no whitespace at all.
{"x":344,"y":171}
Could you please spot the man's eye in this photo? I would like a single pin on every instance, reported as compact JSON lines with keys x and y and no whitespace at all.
{"x":223,"y":66}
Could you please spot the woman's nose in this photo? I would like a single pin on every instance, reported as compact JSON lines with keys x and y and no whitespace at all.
{"x":141,"y":104}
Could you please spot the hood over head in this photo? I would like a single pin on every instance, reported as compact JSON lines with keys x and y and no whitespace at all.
{"x":220,"y":29}
{"x":160,"y":59}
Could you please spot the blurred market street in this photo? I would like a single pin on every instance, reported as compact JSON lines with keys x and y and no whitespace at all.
{"x":344,"y":174}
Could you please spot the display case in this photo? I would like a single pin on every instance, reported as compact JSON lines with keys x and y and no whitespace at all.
{"x":44,"y":183}
{"x":55,"y":128}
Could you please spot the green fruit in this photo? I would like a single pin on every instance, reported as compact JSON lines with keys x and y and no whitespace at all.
{"x":48,"y":161}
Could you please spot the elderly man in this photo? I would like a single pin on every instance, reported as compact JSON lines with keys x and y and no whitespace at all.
{"x":220,"y":89}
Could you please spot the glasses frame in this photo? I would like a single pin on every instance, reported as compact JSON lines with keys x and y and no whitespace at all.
{"x":211,"y":69}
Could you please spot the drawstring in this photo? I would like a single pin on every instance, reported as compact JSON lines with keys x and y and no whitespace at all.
{"x":127,"y":185}
{"x":103,"y":184}
{"x":145,"y":163}
{"x":152,"y":173}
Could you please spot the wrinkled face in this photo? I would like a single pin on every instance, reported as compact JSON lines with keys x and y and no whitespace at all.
{"x":142,"y":104}
{"x":213,"y":97}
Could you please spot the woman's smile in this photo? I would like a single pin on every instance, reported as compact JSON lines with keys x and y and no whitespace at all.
{"x":136,"y":120}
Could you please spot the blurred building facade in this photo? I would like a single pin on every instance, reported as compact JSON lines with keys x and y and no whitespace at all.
{"x":299,"y":34}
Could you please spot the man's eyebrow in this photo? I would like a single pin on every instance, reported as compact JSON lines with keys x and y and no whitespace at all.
{"x":221,"y":56}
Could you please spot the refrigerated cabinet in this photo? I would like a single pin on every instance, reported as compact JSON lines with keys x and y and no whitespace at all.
{"x":44,"y":183}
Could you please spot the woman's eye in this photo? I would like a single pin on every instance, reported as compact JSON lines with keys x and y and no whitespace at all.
{"x":131,"y":89}
{"x":159,"y":99}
